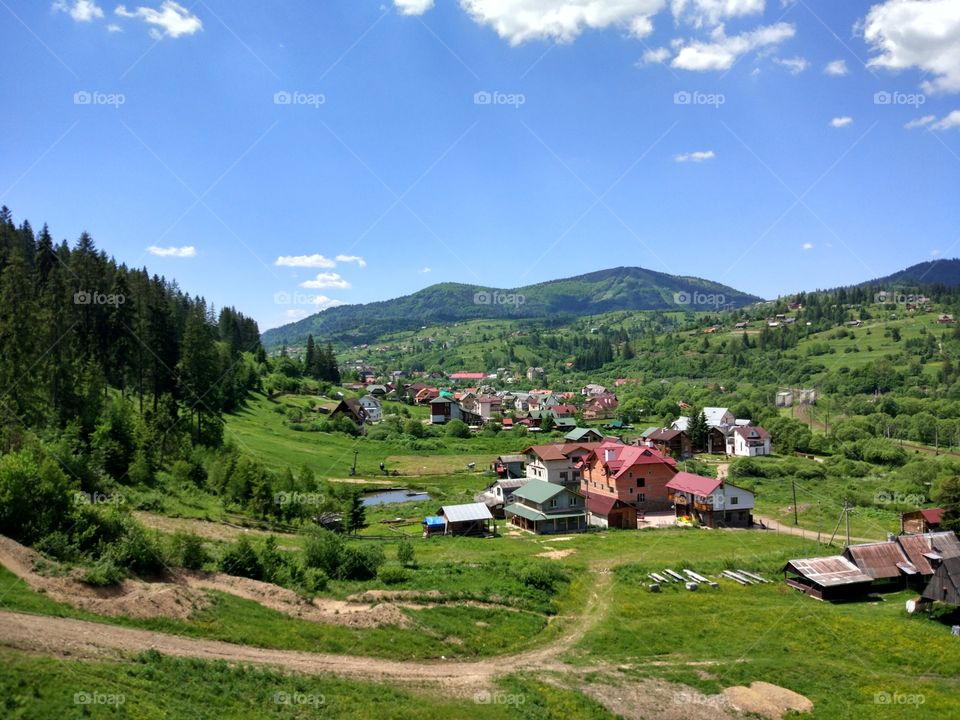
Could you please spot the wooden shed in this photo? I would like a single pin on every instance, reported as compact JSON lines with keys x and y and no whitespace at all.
{"x":827,"y":578}
{"x":944,"y":586}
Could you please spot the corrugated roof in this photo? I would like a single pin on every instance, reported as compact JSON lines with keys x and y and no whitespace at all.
{"x":538,"y":491}
{"x":516,"y":457}
{"x":828,"y":571}
{"x":601,"y":504}
{"x":878,"y":560}
{"x":524,"y":512}
{"x":467,"y":512}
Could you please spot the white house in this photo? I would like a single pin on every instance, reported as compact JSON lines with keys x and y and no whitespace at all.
{"x":718,"y":416}
{"x":373,"y":408}
{"x":556,"y":463}
{"x":749,"y":442}
{"x":487,"y":405}
{"x":711,"y":502}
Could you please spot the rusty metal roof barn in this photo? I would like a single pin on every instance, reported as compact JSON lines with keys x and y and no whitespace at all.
{"x":828,"y":571}
{"x":881,"y":561}
{"x":920,"y":549}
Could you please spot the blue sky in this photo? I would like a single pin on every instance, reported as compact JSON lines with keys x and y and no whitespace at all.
{"x":242,"y":148}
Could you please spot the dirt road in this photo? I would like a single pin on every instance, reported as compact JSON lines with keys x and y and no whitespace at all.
{"x":776,"y":526}
{"x":84,"y":639}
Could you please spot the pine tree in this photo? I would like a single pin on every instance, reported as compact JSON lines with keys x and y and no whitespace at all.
{"x":310,"y":359}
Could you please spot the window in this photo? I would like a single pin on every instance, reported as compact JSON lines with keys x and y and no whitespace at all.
{"x":563,"y":476}
{"x":574,"y":501}
{"x":641,"y":497}
{"x":641,"y":483}
{"x":553,"y":503}
{"x":734,"y":501}
{"x":631,"y":491}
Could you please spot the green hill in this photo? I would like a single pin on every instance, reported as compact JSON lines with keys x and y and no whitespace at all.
{"x":932,"y":272}
{"x":622,"y":288}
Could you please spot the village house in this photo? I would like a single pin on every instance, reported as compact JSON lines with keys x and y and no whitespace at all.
{"x":748,"y":441}
{"x":600,"y":407}
{"x":372,"y":407}
{"x":674,"y":443}
{"x":487,"y":406}
{"x":425,"y":395}
{"x":509,"y":466}
{"x":636,"y":475}
{"x":711,"y":502}
{"x":464,"y":375}
{"x":579,"y":435}
{"x":499,"y":494}
{"x":593,"y":389}
{"x":556,"y":463}
{"x":944,"y":585}
{"x":445,"y":409}
{"x":351,"y":408}
{"x":827,"y":578}
{"x":546,"y":508}
{"x":921,"y":521}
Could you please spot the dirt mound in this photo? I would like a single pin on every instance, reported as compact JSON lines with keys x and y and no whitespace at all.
{"x":555,"y":554}
{"x":204,"y":528}
{"x":770,"y":701}
{"x":131,"y":598}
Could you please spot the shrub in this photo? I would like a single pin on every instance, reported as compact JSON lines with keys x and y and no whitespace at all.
{"x":137,"y":550}
{"x":360,"y":562}
{"x":241,"y":559}
{"x":406,"y":554}
{"x":103,"y":573}
{"x":315,"y":580}
{"x":186,"y":550}
{"x":35,"y":497}
{"x":457,"y":429}
{"x":542,"y":577}
{"x":322,"y":551}
{"x":391,"y":575}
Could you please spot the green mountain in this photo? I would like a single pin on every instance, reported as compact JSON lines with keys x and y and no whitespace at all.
{"x":622,"y":288}
{"x":933,"y":272}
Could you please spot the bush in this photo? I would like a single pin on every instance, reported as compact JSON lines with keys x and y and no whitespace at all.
{"x":360,"y":563}
{"x":322,"y":551}
{"x":391,"y":575}
{"x":406,"y":554}
{"x":103,"y":573}
{"x":35,"y":497}
{"x":137,"y":550}
{"x":415,"y":428}
{"x":315,"y":580}
{"x":187,"y":551}
{"x":457,"y":429}
{"x":242,"y":560}
{"x":542,"y":577}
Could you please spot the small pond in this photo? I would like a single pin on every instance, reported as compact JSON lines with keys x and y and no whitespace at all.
{"x":393,"y":495}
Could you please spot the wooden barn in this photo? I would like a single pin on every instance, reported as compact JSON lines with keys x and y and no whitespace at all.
{"x":920,"y":521}
{"x":827,"y":578}
{"x":885,"y":563}
{"x":944,"y":586}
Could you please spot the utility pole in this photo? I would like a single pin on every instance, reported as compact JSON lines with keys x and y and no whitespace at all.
{"x":793,"y":482}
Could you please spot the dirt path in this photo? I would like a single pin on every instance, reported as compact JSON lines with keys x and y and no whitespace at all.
{"x":776,"y":526}
{"x":84,"y":639}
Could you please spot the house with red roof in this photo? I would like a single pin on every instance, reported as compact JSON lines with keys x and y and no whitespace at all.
{"x":600,"y":407}
{"x":711,"y":502}
{"x":675,"y":443}
{"x":921,"y":521}
{"x":464,"y":375}
{"x":636,"y":476}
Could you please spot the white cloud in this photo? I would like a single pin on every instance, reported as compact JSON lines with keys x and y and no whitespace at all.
{"x":807,"y":246}
{"x":950,"y":121}
{"x":840,"y":122}
{"x":722,"y":51}
{"x":352,"y":259}
{"x":307,"y":261}
{"x":837,"y":68}
{"x":171,"y":20}
{"x":426,"y":270}
{"x":712,"y":12}
{"x":935,"y":253}
{"x":322,"y":302}
{"x":295,"y":314}
{"x":180,"y":252}
{"x":794,"y":66}
{"x":518,"y":21}
{"x":326,"y":280}
{"x":656,"y":55}
{"x":920,"y":122}
{"x":413,"y":7}
{"x":114,"y":28}
{"x":697,"y":156}
{"x":80,"y":10}
{"x":924,"y":34}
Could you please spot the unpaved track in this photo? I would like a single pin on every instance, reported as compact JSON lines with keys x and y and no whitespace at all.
{"x":85,"y":639}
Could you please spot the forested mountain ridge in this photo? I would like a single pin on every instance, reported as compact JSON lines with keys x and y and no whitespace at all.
{"x":621,"y":288}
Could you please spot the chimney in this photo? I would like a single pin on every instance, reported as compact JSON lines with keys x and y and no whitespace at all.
{"x":609,"y":454}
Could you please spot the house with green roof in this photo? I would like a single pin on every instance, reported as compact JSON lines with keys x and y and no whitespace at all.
{"x":584,"y":435}
{"x":543,"y":508}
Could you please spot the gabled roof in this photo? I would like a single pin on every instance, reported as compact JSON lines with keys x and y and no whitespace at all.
{"x":693,"y":484}
{"x":463,"y":375}
{"x":881,"y":561}
{"x":467,"y":512}
{"x":828,"y":571}
{"x":539,"y":491}
{"x":579,"y":433}
{"x":512,"y":458}
{"x":752,"y":432}
{"x":715,"y":415}
{"x":681,"y":423}
{"x":628,"y":456}
{"x":932,"y":515}
{"x":919,"y":549}
{"x":664,"y":435}
{"x":602,"y":504}
{"x":555,"y":451}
